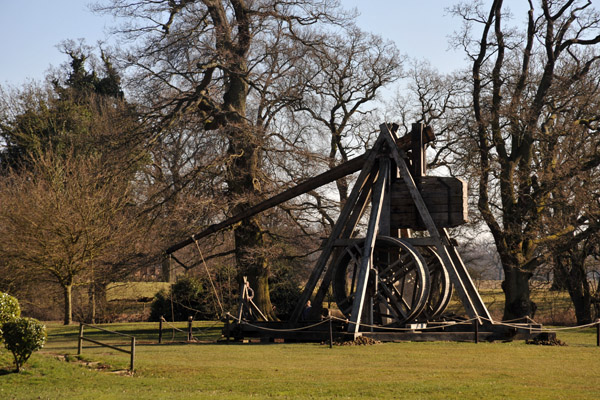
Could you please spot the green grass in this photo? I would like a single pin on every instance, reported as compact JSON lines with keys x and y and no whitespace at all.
{"x":553,"y":308}
{"x":134,"y":290}
{"x":438,"y":370}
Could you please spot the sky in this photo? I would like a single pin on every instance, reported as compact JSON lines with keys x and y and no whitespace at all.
{"x":30,"y":31}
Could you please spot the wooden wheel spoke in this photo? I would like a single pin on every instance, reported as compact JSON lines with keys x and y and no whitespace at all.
{"x":354,"y":254}
{"x":401,"y":273}
{"x":395,"y":312}
{"x":392,"y":305}
{"x":401,"y":261}
{"x":396,"y":297}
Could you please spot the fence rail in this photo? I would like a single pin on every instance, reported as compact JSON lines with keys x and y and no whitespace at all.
{"x":82,"y":338}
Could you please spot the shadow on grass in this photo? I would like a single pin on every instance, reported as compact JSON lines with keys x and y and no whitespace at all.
{"x":6,"y":371}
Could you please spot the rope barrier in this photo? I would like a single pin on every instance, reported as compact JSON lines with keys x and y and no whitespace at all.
{"x":504,"y":323}
{"x":390,"y":328}
{"x":438,"y":326}
{"x":280,"y":330}
{"x":198,"y":329}
{"x":172,"y":326}
{"x":397,"y":329}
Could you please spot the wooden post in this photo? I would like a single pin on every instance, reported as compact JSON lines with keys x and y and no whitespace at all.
{"x":131,"y":364}
{"x":330,"y":333}
{"x":80,"y":342}
{"x":227,"y":328}
{"x":190,"y":319}
{"x":160,"y":329}
{"x":598,"y":333}
{"x":419,"y":164}
{"x":476,"y":323}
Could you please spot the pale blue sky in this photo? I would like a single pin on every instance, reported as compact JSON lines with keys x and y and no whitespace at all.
{"x":30,"y":30}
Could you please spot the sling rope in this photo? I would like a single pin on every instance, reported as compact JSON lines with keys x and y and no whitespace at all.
{"x":209,"y":278}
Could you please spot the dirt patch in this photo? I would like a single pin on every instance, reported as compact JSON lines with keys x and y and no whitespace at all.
{"x":95,"y":365}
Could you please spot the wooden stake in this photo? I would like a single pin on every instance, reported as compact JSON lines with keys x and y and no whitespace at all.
{"x":80,"y":342}
{"x":132,"y":360}
{"x":330,"y":333}
{"x":227,"y":328}
{"x":160,"y":329}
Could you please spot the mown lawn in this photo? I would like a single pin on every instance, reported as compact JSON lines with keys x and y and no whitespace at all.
{"x":439,"y":370}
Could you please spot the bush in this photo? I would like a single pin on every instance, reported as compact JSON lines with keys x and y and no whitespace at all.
{"x":22,"y":337}
{"x":189,"y":298}
{"x":9,"y":308}
{"x":284,"y":297}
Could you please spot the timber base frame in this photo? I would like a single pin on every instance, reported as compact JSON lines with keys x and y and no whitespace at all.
{"x":460,"y":331}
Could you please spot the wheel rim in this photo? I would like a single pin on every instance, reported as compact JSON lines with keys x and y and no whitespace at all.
{"x":441,"y":286}
{"x":398,"y":286}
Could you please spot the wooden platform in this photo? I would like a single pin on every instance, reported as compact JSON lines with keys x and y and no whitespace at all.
{"x":279,"y":332}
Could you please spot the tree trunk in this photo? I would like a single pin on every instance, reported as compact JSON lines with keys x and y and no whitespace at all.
{"x":68,"y":309}
{"x":559,"y":278}
{"x":252,"y":263}
{"x":97,"y":301}
{"x":517,"y":295}
{"x":244,"y":185}
{"x":583,"y":306}
{"x":92,"y":303}
{"x":572,"y":270}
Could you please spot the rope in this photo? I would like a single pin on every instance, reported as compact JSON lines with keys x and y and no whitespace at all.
{"x":332,"y":318}
{"x":389,"y":328}
{"x":185,"y":331}
{"x":437,"y":326}
{"x":210,"y":278}
{"x":591,"y":324}
{"x":172,"y":326}
{"x":240,"y":321}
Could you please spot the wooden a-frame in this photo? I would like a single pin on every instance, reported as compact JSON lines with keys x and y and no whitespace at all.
{"x":372,"y":185}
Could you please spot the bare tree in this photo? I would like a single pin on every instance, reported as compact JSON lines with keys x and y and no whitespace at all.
{"x":344,"y":76}
{"x":520,"y":89}
{"x":212,"y":61}
{"x":60,"y":218}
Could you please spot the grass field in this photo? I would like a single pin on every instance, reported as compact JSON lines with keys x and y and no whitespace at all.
{"x":134,"y":290}
{"x":439,"y":370}
{"x":553,"y":308}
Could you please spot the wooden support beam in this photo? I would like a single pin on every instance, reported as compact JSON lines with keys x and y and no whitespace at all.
{"x":369,"y":244}
{"x":473,"y":304}
{"x":355,"y":216}
{"x":419,"y":164}
{"x":338,"y":228}
{"x":333,"y":174}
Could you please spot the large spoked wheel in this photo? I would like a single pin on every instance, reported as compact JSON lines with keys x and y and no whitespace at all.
{"x":441,"y":286}
{"x":398,"y":285}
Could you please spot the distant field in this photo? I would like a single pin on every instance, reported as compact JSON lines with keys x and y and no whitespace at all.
{"x":554,"y":308}
{"x":134,"y":290}
{"x":439,"y":370}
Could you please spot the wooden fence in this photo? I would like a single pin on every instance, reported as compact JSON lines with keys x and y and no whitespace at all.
{"x":82,"y":338}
